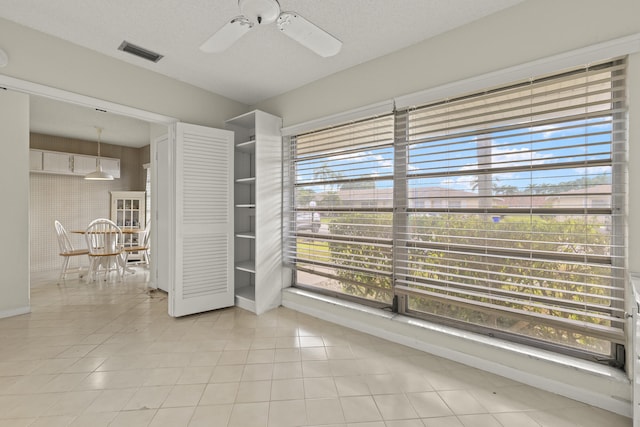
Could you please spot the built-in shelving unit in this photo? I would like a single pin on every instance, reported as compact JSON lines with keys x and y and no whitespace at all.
{"x":258,"y":169}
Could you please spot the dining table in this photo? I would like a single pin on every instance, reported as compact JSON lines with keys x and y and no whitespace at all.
{"x":124,"y":230}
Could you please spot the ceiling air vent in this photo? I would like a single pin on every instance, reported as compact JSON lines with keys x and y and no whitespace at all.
{"x":141,"y":52}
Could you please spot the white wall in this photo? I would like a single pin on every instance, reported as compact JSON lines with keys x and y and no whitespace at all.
{"x":14,"y":192}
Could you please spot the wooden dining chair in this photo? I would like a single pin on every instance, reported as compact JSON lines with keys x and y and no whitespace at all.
{"x":142,"y":247}
{"x":106,"y":253}
{"x":67,"y":251}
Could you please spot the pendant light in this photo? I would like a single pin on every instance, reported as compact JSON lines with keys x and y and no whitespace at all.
{"x":98,"y":174}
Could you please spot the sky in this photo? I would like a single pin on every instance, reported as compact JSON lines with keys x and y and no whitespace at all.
{"x":451,"y":162}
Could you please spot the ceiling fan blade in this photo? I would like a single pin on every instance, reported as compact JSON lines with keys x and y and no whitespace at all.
{"x":308,"y":34}
{"x":227,"y":35}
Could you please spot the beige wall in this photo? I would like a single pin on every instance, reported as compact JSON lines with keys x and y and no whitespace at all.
{"x":145,"y":154}
{"x":131,"y":159}
{"x":14,"y":193}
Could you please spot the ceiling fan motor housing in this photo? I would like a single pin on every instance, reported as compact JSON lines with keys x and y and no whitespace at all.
{"x":260,"y":11}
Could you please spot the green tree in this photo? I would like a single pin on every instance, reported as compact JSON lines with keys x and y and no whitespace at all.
{"x":323,"y":174}
{"x":505,"y":190}
{"x":304,"y":196}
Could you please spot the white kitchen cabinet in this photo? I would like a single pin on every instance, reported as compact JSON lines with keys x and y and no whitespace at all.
{"x":258,"y":192}
{"x":35,"y":160}
{"x":83,"y":165}
{"x":59,"y":163}
{"x":111,"y":166}
{"x":54,"y":162}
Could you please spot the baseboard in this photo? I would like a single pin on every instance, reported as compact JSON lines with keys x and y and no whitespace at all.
{"x":14,"y":312}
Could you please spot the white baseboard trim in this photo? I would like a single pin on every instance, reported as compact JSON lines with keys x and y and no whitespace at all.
{"x":591,"y":383}
{"x":14,"y":312}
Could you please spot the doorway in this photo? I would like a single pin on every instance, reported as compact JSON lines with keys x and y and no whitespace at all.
{"x":157,"y":124}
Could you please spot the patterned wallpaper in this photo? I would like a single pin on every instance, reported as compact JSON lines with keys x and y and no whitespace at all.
{"x":73,"y":201}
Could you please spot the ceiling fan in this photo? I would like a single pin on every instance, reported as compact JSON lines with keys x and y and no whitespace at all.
{"x":263,"y":12}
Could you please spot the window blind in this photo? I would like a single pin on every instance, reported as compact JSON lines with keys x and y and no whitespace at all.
{"x":340,"y":220}
{"x":500,"y":211}
{"x":513,"y":218}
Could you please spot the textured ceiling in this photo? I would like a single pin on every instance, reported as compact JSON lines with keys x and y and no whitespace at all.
{"x":264,"y":63}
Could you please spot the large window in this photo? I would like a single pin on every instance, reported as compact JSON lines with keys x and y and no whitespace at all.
{"x":500,"y":212}
{"x":343,"y":209}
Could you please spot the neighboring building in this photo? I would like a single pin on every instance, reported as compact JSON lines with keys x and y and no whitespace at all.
{"x":419,"y":198}
{"x":593,"y":197}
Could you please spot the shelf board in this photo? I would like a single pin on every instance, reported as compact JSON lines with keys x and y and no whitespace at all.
{"x":245,"y":298}
{"x":246,"y":120}
{"x":246,"y":147}
{"x":246,"y":234}
{"x":247,"y":292}
{"x":248,"y":266}
{"x":246,"y":205}
{"x":250,"y":180}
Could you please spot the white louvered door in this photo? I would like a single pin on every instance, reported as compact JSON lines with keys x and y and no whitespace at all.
{"x":203,"y":276}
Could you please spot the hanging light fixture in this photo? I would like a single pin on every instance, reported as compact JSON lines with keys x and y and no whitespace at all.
{"x":98,"y":174}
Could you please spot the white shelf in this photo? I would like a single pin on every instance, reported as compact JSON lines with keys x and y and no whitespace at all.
{"x":257,"y":184}
{"x":248,"y":266}
{"x":245,"y":298}
{"x":250,"y":180}
{"x":246,"y":235}
{"x":247,"y":292}
{"x":247,"y":147}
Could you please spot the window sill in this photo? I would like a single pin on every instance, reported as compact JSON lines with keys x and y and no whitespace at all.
{"x":591,"y":383}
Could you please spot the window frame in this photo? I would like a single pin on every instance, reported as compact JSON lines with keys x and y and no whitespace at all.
{"x":400,"y":170}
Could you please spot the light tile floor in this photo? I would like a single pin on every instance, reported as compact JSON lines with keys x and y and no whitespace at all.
{"x":108,"y":354}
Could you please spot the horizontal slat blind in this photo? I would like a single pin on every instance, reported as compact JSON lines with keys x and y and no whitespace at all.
{"x":514,"y":210}
{"x":501,"y":211}
{"x":340,"y":221}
